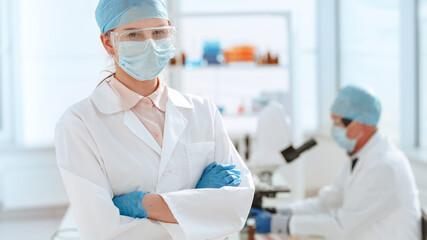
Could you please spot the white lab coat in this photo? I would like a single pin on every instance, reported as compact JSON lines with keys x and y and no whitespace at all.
{"x":379,"y":200}
{"x":104,"y":151}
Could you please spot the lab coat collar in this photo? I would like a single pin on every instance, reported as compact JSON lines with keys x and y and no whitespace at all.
{"x":362,"y":154}
{"x":127,"y":98}
{"x":107,"y":101}
{"x":178,"y":99}
{"x":372,"y":142}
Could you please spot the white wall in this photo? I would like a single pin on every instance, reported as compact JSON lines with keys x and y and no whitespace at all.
{"x":61,"y":62}
{"x":419,"y":167}
{"x":30,"y":179}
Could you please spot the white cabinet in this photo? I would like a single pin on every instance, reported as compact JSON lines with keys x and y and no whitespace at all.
{"x":236,"y":84}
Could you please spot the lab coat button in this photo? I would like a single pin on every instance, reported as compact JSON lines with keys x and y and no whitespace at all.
{"x":167,"y":172}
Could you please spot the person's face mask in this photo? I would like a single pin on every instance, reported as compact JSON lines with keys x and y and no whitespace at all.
{"x":145,"y":60}
{"x":340,"y":136}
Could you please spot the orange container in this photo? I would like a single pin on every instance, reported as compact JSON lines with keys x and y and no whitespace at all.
{"x":240,"y":54}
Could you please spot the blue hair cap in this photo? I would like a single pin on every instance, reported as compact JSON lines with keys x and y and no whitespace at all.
{"x":115,"y":13}
{"x":357,"y":104}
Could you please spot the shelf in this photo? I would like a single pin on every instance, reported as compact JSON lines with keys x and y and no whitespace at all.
{"x":231,"y":67}
{"x":234,"y":13}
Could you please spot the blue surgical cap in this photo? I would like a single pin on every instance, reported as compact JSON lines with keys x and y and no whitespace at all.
{"x":357,"y":104}
{"x":115,"y":13}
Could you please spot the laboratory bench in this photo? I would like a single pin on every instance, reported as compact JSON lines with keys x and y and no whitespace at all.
{"x":281,"y":200}
{"x":70,"y":232}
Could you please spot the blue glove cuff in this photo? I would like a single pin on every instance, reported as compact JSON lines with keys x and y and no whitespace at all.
{"x":140,"y":211}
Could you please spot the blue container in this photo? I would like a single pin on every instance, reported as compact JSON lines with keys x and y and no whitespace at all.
{"x":211,"y":51}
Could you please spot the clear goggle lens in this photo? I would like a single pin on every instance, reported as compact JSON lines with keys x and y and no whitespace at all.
{"x":141,"y":35}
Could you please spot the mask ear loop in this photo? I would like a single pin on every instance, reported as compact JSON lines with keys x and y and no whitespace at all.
{"x":358,"y":136}
{"x":113,"y":41}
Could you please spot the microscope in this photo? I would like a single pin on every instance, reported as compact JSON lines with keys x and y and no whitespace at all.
{"x":274,"y":133}
{"x":265,"y":189}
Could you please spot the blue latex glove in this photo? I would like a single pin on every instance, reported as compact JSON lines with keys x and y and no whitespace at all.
{"x":131,"y":204}
{"x":263,"y":220}
{"x":218,"y":176}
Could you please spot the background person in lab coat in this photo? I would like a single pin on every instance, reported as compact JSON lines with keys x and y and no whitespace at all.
{"x":140,"y":160}
{"x":374,"y":195}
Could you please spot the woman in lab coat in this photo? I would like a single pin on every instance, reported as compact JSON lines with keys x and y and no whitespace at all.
{"x":138,"y":159}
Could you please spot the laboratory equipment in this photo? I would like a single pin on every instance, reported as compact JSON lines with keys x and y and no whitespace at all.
{"x":240,"y":54}
{"x":212,"y":51}
{"x":193,"y":63}
{"x":290,"y":154}
{"x":268,"y":59}
{"x":251,"y":229}
{"x":269,"y":192}
{"x":423,"y":224}
{"x":273,"y":134}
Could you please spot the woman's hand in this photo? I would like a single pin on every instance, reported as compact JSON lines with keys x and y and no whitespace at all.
{"x":144,"y":205}
{"x":218,"y":176}
{"x":131,"y":204}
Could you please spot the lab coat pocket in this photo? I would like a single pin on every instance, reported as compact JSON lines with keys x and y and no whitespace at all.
{"x":199,"y":156}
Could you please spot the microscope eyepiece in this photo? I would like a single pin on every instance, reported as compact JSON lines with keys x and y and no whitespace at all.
{"x":290,"y":153}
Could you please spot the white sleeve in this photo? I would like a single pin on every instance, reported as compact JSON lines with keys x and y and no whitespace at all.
{"x":329,"y":197}
{"x":89,"y":191}
{"x":214,"y":213}
{"x":377,"y":198}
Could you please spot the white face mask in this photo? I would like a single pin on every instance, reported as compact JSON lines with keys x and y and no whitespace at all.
{"x":145,"y":60}
{"x":340,"y":136}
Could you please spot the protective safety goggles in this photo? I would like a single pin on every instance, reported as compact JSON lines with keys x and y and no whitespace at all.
{"x":141,"y":35}
{"x":344,"y":121}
